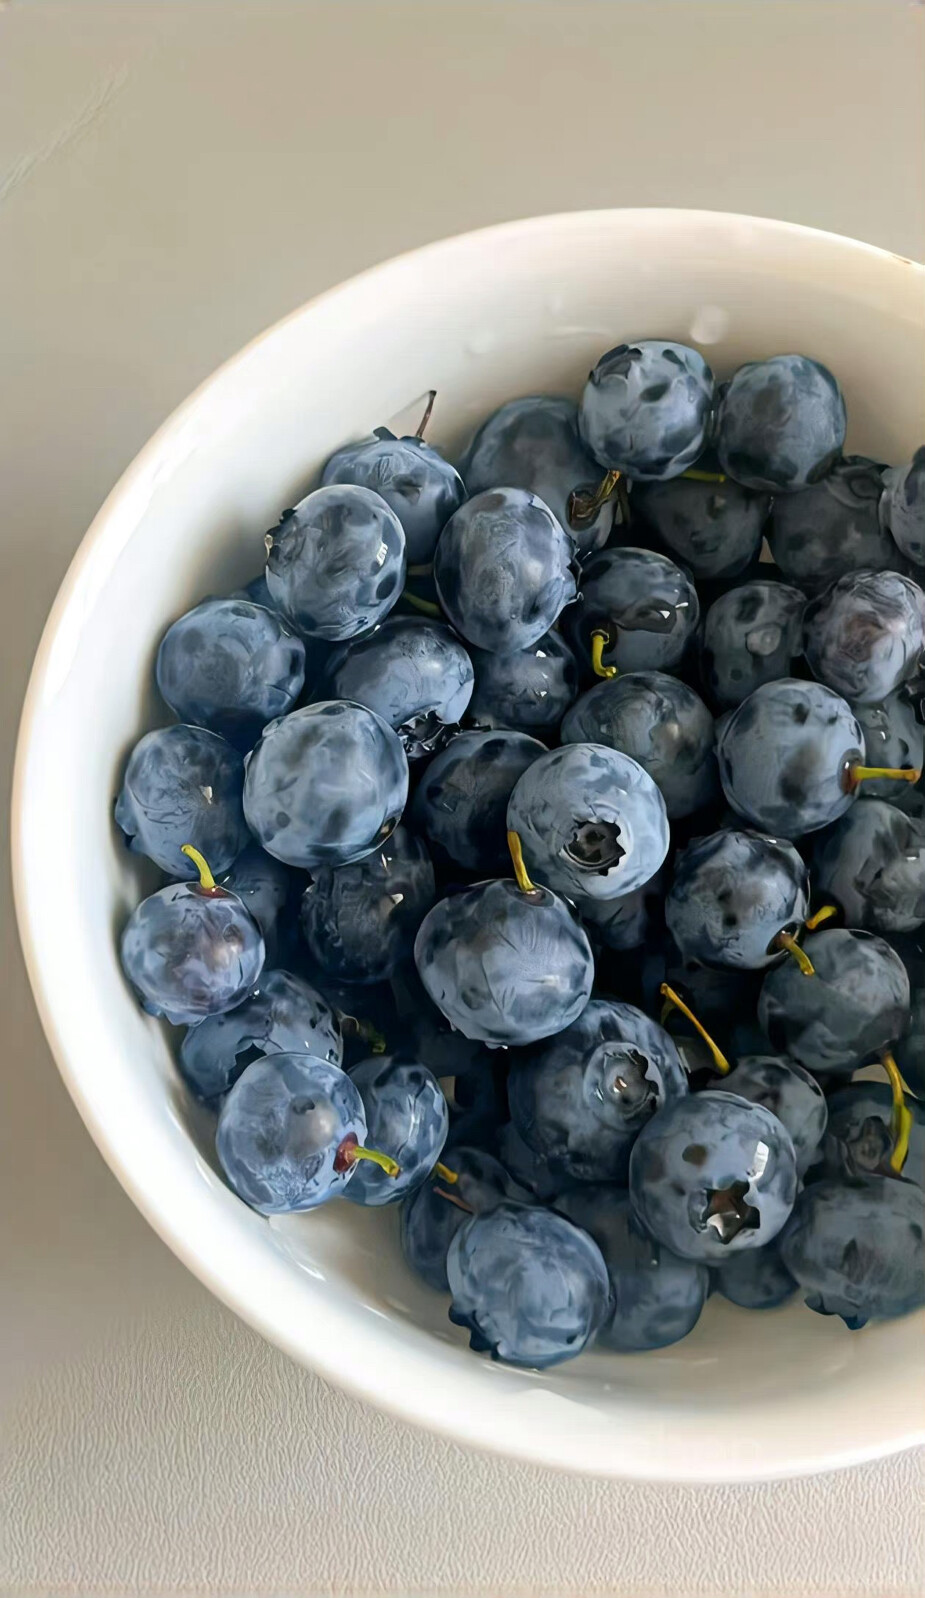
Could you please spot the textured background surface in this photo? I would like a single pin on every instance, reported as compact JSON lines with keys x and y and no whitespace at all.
{"x":172,"y":178}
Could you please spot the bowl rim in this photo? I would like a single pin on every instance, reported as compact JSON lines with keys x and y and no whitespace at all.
{"x":477,"y":1425}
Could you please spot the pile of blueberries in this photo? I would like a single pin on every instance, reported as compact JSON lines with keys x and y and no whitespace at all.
{"x":546,"y":852}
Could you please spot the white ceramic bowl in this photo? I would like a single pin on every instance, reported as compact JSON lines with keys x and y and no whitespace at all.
{"x":512,"y":310}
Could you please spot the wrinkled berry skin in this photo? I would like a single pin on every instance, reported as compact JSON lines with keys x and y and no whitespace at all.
{"x":856,"y":1250}
{"x":831,"y":528}
{"x":415,"y":481}
{"x":656,"y":1296}
{"x":280,"y":1130}
{"x":785,"y":756}
{"x":872,"y":865}
{"x":910,"y":1048}
{"x":412,"y":672}
{"x":406,"y":1117}
{"x":790,"y":1093}
{"x":284,"y":1015}
{"x":714,"y":529}
{"x":591,"y":822}
{"x":856,"y":1004}
{"x":190,"y":953}
{"x":751,"y":635}
{"x":859,"y":1139}
{"x":661,"y":724}
{"x":505,"y":966}
{"x":462,"y":799}
{"x":781,"y":424}
{"x":530,"y":690}
{"x":713,"y":1174}
{"x":732,"y":894}
{"x":265,"y":887}
{"x":866,"y":634}
{"x":644,"y":603}
{"x":902,"y":508}
{"x":531,"y":1287}
{"x":893,"y":736}
{"x":581,"y":1100}
{"x":360,"y":920}
{"x":534,"y":443}
{"x":646,"y":409}
{"x":325,"y":785}
{"x":504,"y":569}
{"x":230,"y":666}
{"x":336,"y":565}
{"x":429,"y":1222}
{"x":755,"y":1280}
{"x":183,"y":785}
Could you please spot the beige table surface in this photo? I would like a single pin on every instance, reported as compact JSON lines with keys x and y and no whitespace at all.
{"x":172,"y":178}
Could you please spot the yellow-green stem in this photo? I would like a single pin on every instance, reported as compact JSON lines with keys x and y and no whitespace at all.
{"x":901,"y":1117}
{"x":786,"y":940}
{"x":206,"y":879}
{"x":816,"y":921}
{"x":517,"y":859}
{"x":719,"y":1058}
{"x":599,"y":642}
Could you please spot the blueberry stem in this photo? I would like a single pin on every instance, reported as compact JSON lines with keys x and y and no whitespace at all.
{"x":426,"y":606}
{"x":694,"y":476}
{"x":424,"y":570}
{"x":364,"y":1030}
{"x":452,"y":1199}
{"x":825,"y":914}
{"x":445,"y":1174}
{"x":350,"y":1151}
{"x":599,"y":642}
{"x":520,"y":870}
{"x":428,"y":409}
{"x":583,"y":505}
{"x":206,"y":879}
{"x":719,"y":1058}
{"x":856,"y":774}
{"x":901,"y":1118}
{"x":786,"y":940}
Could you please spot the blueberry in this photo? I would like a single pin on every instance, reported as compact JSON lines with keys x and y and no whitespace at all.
{"x":872,"y":864}
{"x":751,"y":635}
{"x":732,"y":895}
{"x":712,"y":1174}
{"x":781,"y":423}
{"x":325,"y":785}
{"x":360,"y":920}
{"x":866,"y":634}
{"x":715,"y":529}
{"x":417,"y":483}
{"x":525,"y":1165}
{"x":530,"y":689}
{"x":785,"y":757}
{"x":531,"y":1287}
{"x":503,"y":569}
{"x":859,"y":1141}
{"x":287,"y":1132}
{"x":407,"y":1118}
{"x":790,"y":1093}
{"x":430,"y":1220}
{"x":230,"y":666}
{"x":190,"y":952}
{"x":284,"y":1015}
{"x":893,"y":737}
{"x":183,"y":785}
{"x":643,"y":602}
{"x":461,"y":802}
{"x":910,"y":1048}
{"x":591,"y":822}
{"x":646,"y":409}
{"x":656,"y":1296}
{"x":336,"y":563}
{"x":856,"y":1004}
{"x":661,"y":724}
{"x":724,"y":995}
{"x":902,"y":508}
{"x":756,"y":1280}
{"x":581,"y":1100}
{"x":856,"y":1250}
{"x":413,"y":673}
{"x":831,"y":528}
{"x":505,"y":966}
{"x":627,"y":922}
{"x":265,"y":886}
{"x":534,"y":443}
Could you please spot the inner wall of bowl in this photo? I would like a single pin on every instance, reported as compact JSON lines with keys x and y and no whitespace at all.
{"x":480,"y":322}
